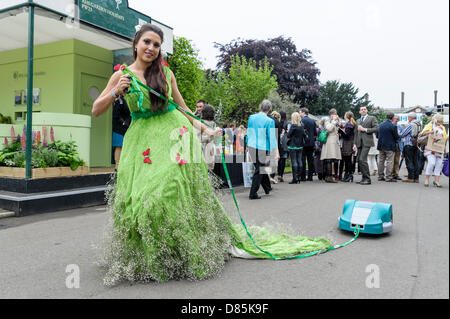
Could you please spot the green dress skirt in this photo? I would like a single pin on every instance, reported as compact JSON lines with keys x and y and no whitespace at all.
{"x":167,"y":221}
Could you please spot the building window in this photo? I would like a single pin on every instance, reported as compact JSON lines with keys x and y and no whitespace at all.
{"x":93,"y":93}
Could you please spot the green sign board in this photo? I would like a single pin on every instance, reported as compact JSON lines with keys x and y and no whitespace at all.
{"x":112,"y":15}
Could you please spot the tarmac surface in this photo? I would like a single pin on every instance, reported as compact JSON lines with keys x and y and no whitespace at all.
{"x":410,"y":262}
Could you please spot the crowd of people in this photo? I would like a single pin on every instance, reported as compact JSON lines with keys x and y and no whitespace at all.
{"x":334,"y":149}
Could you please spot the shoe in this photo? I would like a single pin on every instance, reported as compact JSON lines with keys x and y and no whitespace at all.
{"x":392,"y":180}
{"x":310,"y":179}
{"x":437,"y":185}
{"x":374,"y":173}
{"x":330,"y":179}
{"x":303,"y":179}
{"x":381,"y":179}
{"x":280,"y":179}
{"x":348,"y":179}
{"x":272,"y":181}
{"x":365,"y":182}
{"x":294,"y":181}
{"x":255,"y":197}
{"x":407,"y":180}
{"x":426,"y":185}
{"x":416,"y":181}
{"x":268,"y":191}
{"x":398,"y":178}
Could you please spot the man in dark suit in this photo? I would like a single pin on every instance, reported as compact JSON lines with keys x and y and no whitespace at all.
{"x":366,"y":126}
{"x":387,"y":146}
{"x":309,"y":126}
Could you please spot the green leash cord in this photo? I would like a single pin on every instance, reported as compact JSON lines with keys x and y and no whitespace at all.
{"x":183,"y":110}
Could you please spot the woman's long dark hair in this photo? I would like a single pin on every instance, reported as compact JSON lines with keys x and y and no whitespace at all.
{"x":154,"y":74}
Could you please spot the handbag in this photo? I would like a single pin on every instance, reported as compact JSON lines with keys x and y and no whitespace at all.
{"x":284,"y":143}
{"x":445,"y":167}
{"x":248,"y":169}
{"x":323,"y":136}
{"x":422,"y":140}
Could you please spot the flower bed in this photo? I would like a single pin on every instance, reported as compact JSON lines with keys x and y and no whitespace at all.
{"x":52,"y":159}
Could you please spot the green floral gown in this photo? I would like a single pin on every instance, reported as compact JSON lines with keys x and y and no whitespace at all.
{"x":167,"y":221}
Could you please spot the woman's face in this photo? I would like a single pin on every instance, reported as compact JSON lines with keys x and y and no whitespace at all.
{"x":439,"y":123}
{"x":148,"y":47}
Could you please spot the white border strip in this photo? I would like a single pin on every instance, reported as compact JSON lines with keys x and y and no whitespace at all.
{"x":52,"y":195}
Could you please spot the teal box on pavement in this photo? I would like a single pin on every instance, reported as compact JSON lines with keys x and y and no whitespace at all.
{"x":371,"y":217}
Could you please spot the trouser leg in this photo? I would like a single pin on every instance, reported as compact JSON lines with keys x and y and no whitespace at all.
{"x":363,"y":165}
{"x":381,"y":160}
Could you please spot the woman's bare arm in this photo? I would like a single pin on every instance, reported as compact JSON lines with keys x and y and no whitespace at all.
{"x":119,"y":82}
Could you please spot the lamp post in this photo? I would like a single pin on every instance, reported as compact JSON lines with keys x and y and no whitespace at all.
{"x":29,"y":88}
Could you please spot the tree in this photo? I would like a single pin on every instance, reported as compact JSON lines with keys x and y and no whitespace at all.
{"x":283,"y":103}
{"x":239,"y":92}
{"x":297,"y":75}
{"x":340,"y":96}
{"x":187,"y":69}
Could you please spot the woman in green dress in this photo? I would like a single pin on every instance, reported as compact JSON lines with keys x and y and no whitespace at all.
{"x":167,"y":221}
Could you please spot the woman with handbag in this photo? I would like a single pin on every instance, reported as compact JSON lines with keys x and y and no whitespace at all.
{"x":296,"y":141}
{"x":331,"y":150}
{"x":282,"y":146}
{"x":435,"y":159}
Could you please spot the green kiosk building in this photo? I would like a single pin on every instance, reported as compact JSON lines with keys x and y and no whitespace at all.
{"x":71,"y":47}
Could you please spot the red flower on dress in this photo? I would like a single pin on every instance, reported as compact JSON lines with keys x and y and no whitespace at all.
{"x":119,"y":67}
{"x":183,"y":130}
{"x":180,"y":160}
{"x":147,"y":159}
{"x":165,"y":62}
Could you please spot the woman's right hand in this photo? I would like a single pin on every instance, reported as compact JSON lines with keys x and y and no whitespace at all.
{"x":124,"y":83}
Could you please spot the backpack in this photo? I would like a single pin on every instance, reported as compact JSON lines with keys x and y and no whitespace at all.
{"x":284,"y":142}
{"x":415,"y":131}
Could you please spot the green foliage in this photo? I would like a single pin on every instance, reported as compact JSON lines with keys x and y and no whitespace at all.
{"x":187,"y":69}
{"x":67,"y":154}
{"x":239,"y":92}
{"x":341,"y":96}
{"x":55,"y":154}
{"x":283,"y":103}
{"x":5,"y":119}
{"x":379,"y":113}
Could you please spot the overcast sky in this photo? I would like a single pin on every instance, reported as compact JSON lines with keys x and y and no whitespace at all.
{"x":383,"y":46}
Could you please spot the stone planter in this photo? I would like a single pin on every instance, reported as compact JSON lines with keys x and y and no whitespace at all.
{"x":17,"y":172}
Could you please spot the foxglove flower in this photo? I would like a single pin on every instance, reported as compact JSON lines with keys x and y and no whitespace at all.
{"x":52,"y":135}
{"x":44,"y":132}
{"x":13,"y":134}
{"x":24,"y":141}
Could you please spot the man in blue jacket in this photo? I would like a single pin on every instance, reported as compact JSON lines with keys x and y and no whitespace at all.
{"x":387,"y":137}
{"x":261,"y":141}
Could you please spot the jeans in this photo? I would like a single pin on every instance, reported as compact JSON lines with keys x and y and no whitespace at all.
{"x":307,"y":155}
{"x":297,"y":163}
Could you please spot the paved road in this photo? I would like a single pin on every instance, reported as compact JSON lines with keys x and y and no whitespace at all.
{"x":413,"y":261}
